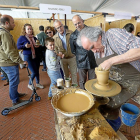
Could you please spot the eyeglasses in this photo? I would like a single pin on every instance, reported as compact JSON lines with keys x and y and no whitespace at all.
{"x":48,"y":32}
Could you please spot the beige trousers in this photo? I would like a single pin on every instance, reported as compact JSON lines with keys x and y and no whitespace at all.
{"x":70,"y":64}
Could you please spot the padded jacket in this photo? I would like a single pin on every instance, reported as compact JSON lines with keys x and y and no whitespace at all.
{"x":85,"y":59}
{"x":9,"y":55}
{"x":59,"y":47}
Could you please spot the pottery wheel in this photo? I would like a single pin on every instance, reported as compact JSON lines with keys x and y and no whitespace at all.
{"x":114,"y":89}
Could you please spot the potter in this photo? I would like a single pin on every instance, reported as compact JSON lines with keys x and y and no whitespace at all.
{"x":114,"y":51}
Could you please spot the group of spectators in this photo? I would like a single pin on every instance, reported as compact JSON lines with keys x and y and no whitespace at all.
{"x":65,"y":49}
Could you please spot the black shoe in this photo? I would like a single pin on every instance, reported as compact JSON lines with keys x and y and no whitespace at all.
{"x":20,"y":95}
{"x":6,"y":84}
{"x":19,"y":101}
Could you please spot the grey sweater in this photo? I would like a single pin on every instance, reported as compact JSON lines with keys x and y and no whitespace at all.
{"x":52,"y":60}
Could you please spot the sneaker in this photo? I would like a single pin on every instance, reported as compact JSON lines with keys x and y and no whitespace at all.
{"x":18,"y":102}
{"x":39,"y":86}
{"x":44,"y":70}
{"x":20,"y":95}
{"x":49,"y":98}
{"x":30,"y":87}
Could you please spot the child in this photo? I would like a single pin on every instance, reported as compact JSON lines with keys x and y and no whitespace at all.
{"x":52,"y":63}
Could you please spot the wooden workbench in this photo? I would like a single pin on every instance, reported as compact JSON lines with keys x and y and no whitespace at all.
{"x":67,"y":128}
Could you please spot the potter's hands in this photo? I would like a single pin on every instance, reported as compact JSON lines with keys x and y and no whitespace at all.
{"x":28,"y":45}
{"x":106,"y":65}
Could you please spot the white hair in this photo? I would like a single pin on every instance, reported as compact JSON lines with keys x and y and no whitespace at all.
{"x":56,"y":22}
{"x":92,"y":33}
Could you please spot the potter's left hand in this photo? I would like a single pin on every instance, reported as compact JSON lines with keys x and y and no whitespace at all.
{"x":106,"y":65}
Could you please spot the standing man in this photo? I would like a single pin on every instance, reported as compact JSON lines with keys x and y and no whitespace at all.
{"x":85,"y":59}
{"x":41,"y":37}
{"x":9,"y":57}
{"x":62,"y":45}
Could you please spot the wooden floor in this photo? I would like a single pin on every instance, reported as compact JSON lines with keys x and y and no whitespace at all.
{"x":35,"y":121}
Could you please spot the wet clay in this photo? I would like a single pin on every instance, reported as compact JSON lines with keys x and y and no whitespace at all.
{"x":130,"y":112}
{"x":102,"y":86}
{"x":73,"y":102}
{"x":102,"y":133}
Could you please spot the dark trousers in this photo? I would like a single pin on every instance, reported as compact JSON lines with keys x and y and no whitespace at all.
{"x":33,"y":65}
{"x":83,"y":73}
{"x":43,"y":60}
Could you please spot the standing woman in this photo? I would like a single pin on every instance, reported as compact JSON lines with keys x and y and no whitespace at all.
{"x":26,"y":42}
{"x":50,"y":31}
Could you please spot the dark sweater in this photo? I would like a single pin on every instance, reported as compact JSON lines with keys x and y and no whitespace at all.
{"x":22,"y":41}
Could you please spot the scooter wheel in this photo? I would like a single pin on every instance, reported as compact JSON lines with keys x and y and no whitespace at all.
{"x":5,"y":111}
{"x":37,"y":98}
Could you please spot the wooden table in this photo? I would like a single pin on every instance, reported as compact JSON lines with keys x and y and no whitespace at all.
{"x":67,"y":128}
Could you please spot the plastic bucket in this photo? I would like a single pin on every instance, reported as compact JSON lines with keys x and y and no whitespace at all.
{"x":129,"y":114}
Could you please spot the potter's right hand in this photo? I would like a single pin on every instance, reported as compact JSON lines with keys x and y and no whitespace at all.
{"x":28,"y":45}
{"x":106,"y":65}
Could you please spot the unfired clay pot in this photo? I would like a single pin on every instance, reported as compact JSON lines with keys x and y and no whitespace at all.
{"x":102,"y":77}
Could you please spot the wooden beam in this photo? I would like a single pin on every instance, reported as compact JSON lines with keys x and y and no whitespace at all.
{"x":53,"y":15}
{"x":88,"y":12}
{"x":8,"y":6}
{"x":27,"y":7}
{"x":58,"y":16}
{"x":19,"y":7}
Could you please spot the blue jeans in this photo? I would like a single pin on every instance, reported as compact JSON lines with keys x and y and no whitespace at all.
{"x":54,"y":75}
{"x":4,"y":74}
{"x":33,"y":65}
{"x":13,"y":76}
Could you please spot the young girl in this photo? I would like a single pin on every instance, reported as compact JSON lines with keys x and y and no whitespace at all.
{"x":52,"y":63}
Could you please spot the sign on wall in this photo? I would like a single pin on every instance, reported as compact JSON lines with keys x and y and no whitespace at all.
{"x":50,"y":8}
